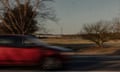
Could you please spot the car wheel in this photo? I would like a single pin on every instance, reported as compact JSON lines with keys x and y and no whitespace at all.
{"x":52,"y":63}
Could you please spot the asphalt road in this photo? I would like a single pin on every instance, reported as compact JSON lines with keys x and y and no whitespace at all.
{"x":86,"y":63}
{"x":94,"y":63}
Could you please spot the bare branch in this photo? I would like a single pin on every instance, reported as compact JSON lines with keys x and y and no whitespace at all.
{"x":97,"y":33}
{"x":6,"y":25}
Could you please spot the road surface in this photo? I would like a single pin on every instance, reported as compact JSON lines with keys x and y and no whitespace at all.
{"x":86,"y":63}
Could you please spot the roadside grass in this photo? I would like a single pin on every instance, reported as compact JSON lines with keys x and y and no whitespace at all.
{"x":66,"y":41}
{"x":85,"y":47}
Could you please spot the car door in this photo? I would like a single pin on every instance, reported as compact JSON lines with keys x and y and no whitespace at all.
{"x":28,"y":52}
{"x":14,"y":51}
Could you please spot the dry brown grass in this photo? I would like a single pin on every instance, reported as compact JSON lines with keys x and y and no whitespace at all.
{"x":65,"y":41}
{"x":115,"y":45}
{"x":99,"y":51}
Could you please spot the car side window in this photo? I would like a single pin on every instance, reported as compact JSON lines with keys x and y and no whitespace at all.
{"x":6,"y":41}
{"x":27,"y":42}
{"x":10,"y":41}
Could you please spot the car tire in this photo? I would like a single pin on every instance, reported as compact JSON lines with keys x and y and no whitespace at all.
{"x":52,"y":63}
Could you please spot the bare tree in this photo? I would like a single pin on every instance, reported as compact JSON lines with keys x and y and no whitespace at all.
{"x":19,"y":16}
{"x":97,"y":33}
{"x":116,"y":28}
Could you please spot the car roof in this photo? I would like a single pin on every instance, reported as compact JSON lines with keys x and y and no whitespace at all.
{"x":14,"y":35}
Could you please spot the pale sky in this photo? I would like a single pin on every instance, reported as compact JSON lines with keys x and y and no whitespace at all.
{"x":73,"y":14}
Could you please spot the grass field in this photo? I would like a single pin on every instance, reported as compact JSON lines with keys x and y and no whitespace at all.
{"x":86,"y":47}
{"x":65,"y":41}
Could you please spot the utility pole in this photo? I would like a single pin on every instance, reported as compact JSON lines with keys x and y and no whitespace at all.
{"x":61,"y":30}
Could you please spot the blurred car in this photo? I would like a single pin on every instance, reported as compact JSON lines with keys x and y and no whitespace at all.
{"x":25,"y":50}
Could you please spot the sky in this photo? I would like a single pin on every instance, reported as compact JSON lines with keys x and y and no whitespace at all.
{"x":73,"y":14}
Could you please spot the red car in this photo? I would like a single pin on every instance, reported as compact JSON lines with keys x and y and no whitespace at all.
{"x":24,"y":50}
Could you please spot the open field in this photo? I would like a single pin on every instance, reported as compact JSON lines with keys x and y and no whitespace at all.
{"x":86,"y":47}
{"x":65,"y":41}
